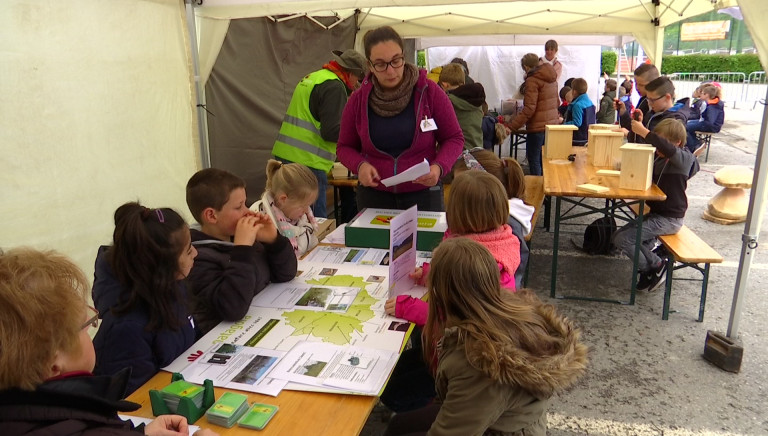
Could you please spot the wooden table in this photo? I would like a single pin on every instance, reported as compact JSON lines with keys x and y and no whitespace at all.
{"x":560,"y":181}
{"x":300,"y":413}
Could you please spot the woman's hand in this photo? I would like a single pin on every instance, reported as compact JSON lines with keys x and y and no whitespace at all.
{"x":368,"y":176}
{"x":430,"y":179}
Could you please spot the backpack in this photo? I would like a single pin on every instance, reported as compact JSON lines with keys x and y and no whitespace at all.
{"x":597,"y":235}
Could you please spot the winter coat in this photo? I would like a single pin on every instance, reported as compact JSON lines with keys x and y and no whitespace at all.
{"x":469,"y":114}
{"x":580,"y":113}
{"x":503,"y":245}
{"x":76,"y":405}
{"x":713,"y":117}
{"x":607,"y":112}
{"x":440,"y":147}
{"x":301,"y":233}
{"x":226,"y":277}
{"x":489,"y":132}
{"x":123,"y":340}
{"x":540,"y":100}
{"x":503,"y":393}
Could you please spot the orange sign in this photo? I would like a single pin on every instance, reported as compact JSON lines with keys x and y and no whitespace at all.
{"x":704,"y":30}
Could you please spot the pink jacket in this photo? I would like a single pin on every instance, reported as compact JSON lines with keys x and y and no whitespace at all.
{"x":441,"y":147}
{"x":505,"y":248}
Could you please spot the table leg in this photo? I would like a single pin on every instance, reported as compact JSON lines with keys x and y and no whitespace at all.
{"x":553,"y":280}
{"x":638,"y":242}
{"x":336,"y":205}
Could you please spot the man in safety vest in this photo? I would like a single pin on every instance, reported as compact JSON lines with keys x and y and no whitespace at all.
{"x":311,"y":124}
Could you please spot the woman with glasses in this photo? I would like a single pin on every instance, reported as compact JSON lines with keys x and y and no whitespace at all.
{"x":139,"y":290}
{"x":47,"y":355}
{"x":394,"y":121}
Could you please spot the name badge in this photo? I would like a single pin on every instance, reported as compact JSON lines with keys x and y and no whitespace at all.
{"x":428,"y":124}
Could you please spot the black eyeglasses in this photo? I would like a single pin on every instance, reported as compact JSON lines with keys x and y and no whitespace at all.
{"x":382,"y":66}
{"x":93,"y":321}
{"x":654,"y":100}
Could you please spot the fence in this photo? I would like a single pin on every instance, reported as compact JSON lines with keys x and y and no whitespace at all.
{"x":738,"y":88}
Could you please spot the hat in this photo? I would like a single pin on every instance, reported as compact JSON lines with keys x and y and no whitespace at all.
{"x":351,"y":60}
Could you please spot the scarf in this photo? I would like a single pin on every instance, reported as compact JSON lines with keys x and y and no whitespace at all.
{"x":344,"y":75}
{"x":502,"y":243}
{"x":390,"y":102}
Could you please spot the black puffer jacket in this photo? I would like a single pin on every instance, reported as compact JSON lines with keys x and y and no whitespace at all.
{"x":82,"y":405}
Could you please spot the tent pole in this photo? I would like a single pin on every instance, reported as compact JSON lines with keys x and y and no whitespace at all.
{"x":202,"y":122}
{"x":749,"y":242}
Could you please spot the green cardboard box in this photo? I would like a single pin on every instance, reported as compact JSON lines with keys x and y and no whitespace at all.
{"x":370,"y":229}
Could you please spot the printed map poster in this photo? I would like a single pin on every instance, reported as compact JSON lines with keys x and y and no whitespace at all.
{"x":402,"y":251}
{"x":364,"y":323}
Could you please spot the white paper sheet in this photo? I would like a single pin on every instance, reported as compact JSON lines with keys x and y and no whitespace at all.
{"x":402,"y":248}
{"x":408,"y":175}
{"x":138,"y":421}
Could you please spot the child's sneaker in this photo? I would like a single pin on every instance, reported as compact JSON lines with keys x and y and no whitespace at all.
{"x":658,"y":276}
{"x":644,"y":280}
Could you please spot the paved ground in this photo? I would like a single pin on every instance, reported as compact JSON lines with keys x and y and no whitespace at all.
{"x":647,"y":376}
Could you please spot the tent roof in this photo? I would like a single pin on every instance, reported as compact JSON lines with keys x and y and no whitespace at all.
{"x":424,"y":18}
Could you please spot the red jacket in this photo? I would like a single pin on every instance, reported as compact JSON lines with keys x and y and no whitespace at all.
{"x":540,"y":100}
{"x":441,"y":146}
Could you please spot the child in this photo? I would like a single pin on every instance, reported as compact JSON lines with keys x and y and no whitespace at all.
{"x":626,"y":96}
{"x":478,"y":209}
{"x":497,"y":356}
{"x":291,"y":190}
{"x":660,"y":99}
{"x":139,"y":293}
{"x":511,"y":176}
{"x":466,"y":101}
{"x":673,"y":166}
{"x":607,"y":112}
{"x":581,"y":111}
{"x":712,"y":117}
{"x":240,"y":251}
{"x":46,"y":385}
{"x":565,"y":99}
{"x":490,"y":130}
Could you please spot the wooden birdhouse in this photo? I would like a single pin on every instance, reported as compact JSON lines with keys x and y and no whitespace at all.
{"x":558,"y":139}
{"x":636,"y":166}
{"x":602,"y":126}
{"x":604,"y":148}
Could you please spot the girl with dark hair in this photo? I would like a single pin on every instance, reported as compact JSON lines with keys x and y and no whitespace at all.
{"x":497,"y":356}
{"x":139,"y":292}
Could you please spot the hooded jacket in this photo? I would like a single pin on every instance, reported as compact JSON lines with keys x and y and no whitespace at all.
{"x":671,"y":172}
{"x":466,"y":101}
{"x":226,"y":277}
{"x":123,"y":340}
{"x":440,"y":147}
{"x":540,"y":100}
{"x":506,"y":393}
{"x":79,"y":405}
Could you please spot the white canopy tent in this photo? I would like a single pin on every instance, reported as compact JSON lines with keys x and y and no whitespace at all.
{"x":98,"y":97}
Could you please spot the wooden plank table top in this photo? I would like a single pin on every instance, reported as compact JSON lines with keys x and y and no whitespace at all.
{"x":343,"y":182}
{"x":300,"y":413}
{"x":562,"y":176}
{"x":534,"y":196}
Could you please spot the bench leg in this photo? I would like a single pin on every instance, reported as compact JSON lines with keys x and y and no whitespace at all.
{"x":547,"y":211}
{"x":703,"y":300}
{"x":706,"y":156}
{"x":527,"y":265}
{"x":668,"y":287}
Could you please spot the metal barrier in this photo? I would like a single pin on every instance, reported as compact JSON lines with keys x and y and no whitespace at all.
{"x":738,"y":88}
{"x":732,"y":84}
{"x":755,"y":87}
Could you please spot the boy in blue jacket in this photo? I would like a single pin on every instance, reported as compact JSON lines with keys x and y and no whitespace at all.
{"x":580,"y":112}
{"x":712,"y":117}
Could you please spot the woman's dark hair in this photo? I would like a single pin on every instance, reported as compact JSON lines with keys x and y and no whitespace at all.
{"x":380,"y":34}
{"x":144,"y":256}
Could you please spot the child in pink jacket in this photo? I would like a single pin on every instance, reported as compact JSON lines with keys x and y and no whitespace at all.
{"x":478,"y":209}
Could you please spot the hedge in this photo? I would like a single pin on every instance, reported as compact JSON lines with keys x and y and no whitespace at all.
{"x":608,"y":62}
{"x":701,"y":63}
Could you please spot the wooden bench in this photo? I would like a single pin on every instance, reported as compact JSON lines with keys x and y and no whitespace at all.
{"x":534,"y":196}
{"x":689,"y":251}
{"x":706,"y":140}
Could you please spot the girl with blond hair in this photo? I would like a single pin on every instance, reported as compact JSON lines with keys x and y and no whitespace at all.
{"x":291,"y":190}
{"x":497,"y":356}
